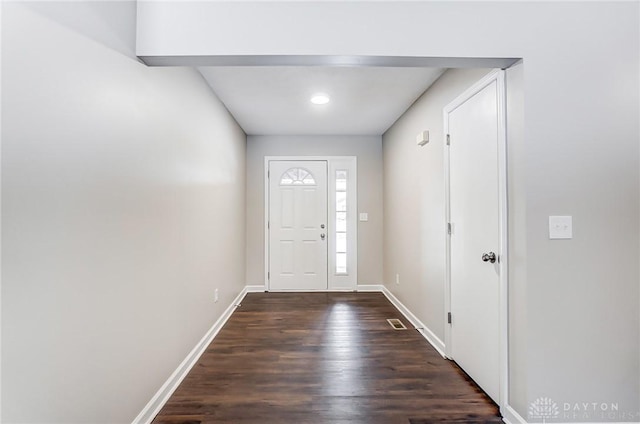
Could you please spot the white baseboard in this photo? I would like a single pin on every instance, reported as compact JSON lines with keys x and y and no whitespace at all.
{"x":258,"y":288}
{"x":423,"y":329}
{"x":309,"y":291}
{"x":369,"y":287}
{"x":510,"y":416}
{"x":156,"y":403}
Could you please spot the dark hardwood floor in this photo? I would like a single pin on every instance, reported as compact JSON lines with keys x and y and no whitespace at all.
{"x":323,"y":358}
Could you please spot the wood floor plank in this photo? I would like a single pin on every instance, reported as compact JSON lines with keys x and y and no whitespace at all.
{"x":323,"y":358}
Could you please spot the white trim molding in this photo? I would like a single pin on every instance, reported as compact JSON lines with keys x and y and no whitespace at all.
{"x":149,"y":412}
{"x":257,"y":288}
{"x":433,"y":340}
{"x":335,"y":282}
{"x":153,"y":407}
{"x":511,"y":416}
{"x":498,"y":76}
{"x":370,"y":288}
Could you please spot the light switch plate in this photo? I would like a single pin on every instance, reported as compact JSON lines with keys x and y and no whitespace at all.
{"x":560,"y":227}
{"x":364,"y":216}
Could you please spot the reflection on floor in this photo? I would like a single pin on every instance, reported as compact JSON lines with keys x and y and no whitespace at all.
{"x":323,"y":358}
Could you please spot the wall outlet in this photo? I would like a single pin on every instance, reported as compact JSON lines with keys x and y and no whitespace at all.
{"x":560,"y":227}
{"x":397,"y":278}
{"x":215,"y":296}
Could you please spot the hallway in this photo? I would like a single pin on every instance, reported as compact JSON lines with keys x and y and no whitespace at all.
{"x":323,"y":358}
{"x":136,"y":144}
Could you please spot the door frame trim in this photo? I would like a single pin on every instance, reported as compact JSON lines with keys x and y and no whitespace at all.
{"x":333,"y":282}
{"x":498,"y":76}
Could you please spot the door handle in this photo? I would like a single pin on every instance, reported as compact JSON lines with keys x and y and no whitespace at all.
{"x":322,"y":236}
{"x":489,"y":257}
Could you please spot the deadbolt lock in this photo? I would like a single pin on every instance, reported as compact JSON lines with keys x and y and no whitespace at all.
{"x":489,"y":257}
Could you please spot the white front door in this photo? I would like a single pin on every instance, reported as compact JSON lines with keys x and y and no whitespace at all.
{"x":298,"y":225}
{"x":473,"y":128}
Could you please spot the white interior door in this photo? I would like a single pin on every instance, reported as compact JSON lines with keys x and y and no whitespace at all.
{"x":298,"y":225}
{"x":474,"y":202}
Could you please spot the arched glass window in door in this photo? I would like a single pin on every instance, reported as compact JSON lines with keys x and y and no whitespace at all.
{"x":297,"y":176}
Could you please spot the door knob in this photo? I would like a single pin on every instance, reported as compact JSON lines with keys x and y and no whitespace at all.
{"x":322,"y":236}
{"x":489,"y":257}
{"x":322,"y":226}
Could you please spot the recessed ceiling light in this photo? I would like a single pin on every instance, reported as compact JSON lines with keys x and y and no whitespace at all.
{"x":320,"y":99}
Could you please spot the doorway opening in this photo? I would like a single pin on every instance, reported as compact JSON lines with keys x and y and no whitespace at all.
{"x":501,"y":252}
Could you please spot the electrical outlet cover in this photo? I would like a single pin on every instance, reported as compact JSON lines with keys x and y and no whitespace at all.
{"x":560,"y":227}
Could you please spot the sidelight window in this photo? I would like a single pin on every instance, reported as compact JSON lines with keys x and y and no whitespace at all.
{"x":341,"y":221}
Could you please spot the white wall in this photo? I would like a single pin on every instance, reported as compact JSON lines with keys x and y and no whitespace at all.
{"x":414,"y":211}
{"x":368,"y":150}
{"x":516,"y":150}
{"x":580,"y":155}
{"x":414,"y":231}
{"x":122,"y":210}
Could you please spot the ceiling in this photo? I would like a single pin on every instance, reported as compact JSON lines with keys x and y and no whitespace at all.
{"x":275,"y":100}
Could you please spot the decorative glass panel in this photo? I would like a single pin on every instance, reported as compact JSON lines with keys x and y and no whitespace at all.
{"x":341,"y":242}
{"x":341,"y":180}
{"x":341,"y":222}
{"x":341,"y":201}
{"x":297,"y":176}
{"x":341,"y":263}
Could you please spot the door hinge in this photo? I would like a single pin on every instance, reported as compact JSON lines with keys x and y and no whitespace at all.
{"x":268,"y":276}
{"x":448,"y":140}
{"x":449,"y":228}
{"x":268,"y":174}
{"x":448,"y":317}
{"x":268,"y":225}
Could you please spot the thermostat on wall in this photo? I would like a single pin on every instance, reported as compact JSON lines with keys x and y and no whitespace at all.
{"x":423,"y":138}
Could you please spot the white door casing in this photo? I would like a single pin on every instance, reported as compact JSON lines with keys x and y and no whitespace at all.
{"x":297,"y":214}
{"x":476,"y":211}
{"x":336,"y":165}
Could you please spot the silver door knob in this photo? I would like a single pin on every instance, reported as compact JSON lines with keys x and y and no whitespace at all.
{"x":322,"y":226}
{"x":322,"y":236}
{"x":489,"y":257}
